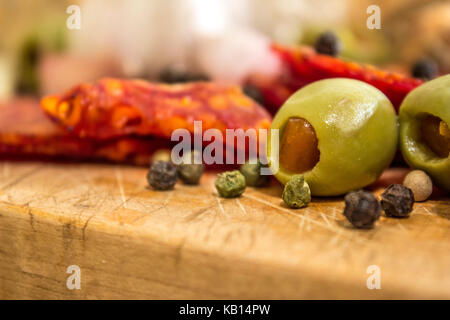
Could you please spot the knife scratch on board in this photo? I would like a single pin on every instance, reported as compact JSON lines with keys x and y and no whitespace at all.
{"x":119,"y":182}
{"x":83,"y":230}
{"x":241,"y":206}
{"x":304,"y":215}
{"x":21,"y":177}
{"x":221,"y":208}
{"x":325,"y":219}
{"x":5,"y":169}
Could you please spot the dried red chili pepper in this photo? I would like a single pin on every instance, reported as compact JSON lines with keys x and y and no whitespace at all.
{"x":302,"y":65}
{"x":25,"y":131}
{"x":122,"y":120}
{"x":112,"y":108}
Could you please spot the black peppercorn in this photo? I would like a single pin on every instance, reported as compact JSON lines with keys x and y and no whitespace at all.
{"x":162,"y":175}
{"x":254,"y":93}
{"x":171,"y":75}
{"x":397,"y":201}
{"x":425,"y":69}
{"x":328,"y":43}
{"x":362,"y":209}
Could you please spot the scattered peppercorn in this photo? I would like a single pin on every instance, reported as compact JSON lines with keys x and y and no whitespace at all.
{"x":328,"y":43}
{"x":420,"y":184}
{"x":296,"y":193}
{"x":254,"y":93}
{"x":161,"y":155}
{"x":425,"y":69}
{"x":162,"y":175}
{"x":397,"y":201}
{"x":362,"y":209}
{"x":190,"y":172}
{"x":230,"y":184}
{"x":171,"y":75}
{"x":252,"y":174}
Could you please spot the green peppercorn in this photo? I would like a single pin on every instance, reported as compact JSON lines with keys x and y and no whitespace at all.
{"x":230,"y":184}
{"x":188,"y":171}
{"x":252,"y":174}
{"x":162,"y":175}
{"x":296,"y":193}
{"x":161,"y":155}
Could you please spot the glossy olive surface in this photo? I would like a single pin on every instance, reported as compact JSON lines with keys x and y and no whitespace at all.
{"x":431,"y":98}
{"x":356,"y":128}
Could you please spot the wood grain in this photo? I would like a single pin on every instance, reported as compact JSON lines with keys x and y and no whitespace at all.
{"x":133,"y":242}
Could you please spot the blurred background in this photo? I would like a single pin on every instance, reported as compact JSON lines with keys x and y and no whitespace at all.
{"x":222,"y":40}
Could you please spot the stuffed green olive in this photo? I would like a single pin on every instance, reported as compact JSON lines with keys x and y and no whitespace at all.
{"x":424,"y":129}
{"x":339,"y":133}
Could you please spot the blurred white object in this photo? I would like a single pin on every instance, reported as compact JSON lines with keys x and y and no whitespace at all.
{"x":283,"y":20}
{"x":233,"y":55}
{"x":225,"y":38}
{"x":224,"y":47}
{"x":210,"y":17}
{"x":145,"y":36}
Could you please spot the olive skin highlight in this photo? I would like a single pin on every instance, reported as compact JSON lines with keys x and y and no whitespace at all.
{"x":357,"y":133}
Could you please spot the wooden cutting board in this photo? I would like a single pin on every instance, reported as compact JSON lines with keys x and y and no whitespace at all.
{"x":133,"y":242}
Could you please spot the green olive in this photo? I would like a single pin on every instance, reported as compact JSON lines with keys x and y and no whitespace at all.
{"x":424,"y":129}
{"x":346,"y":136}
